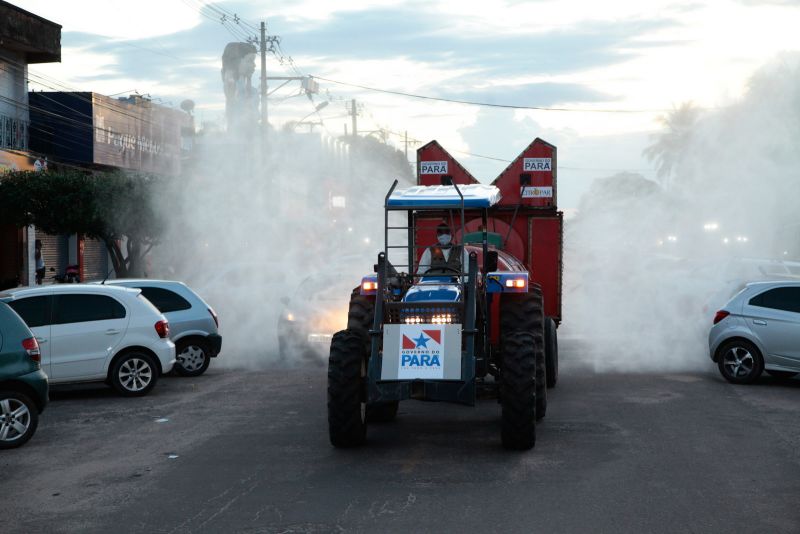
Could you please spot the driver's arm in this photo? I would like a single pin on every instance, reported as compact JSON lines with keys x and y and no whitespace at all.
{"x":424,"y":262}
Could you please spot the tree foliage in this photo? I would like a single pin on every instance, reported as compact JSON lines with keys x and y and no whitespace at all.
{"x":118,"y":209}
{"x":671,"y":143}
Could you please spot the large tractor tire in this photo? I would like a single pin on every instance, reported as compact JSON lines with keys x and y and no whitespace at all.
{"x":359,"y":319}
{"x":361,"y":313}
{"x":518,"y":391}
{"x":524,"y":312}
{"x":347,"y":423}
{"x":551,"y":351}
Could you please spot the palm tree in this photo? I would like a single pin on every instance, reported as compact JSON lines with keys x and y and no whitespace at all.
{"x":671,"y":144}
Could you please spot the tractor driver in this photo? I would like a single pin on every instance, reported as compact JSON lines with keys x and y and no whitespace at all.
{"x":443,"y":258}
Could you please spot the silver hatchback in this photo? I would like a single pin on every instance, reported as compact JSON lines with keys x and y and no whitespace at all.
{"x":758,"y":330}
{"x":193,"y":323}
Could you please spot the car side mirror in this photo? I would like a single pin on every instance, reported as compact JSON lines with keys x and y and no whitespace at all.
{"x":491,"y":261}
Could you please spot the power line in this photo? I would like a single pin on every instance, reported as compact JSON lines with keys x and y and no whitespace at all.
{"x":108,"y":105}
{"x":488,"y":104}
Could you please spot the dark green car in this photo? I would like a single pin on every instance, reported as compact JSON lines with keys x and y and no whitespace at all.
{"x":23,"y":384}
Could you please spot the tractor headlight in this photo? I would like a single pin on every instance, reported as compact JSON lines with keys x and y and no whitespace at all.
{"x":444,"y":318}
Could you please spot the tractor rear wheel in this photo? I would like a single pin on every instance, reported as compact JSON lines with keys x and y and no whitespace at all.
{"x":551,"y":351}
{"x":347,"y":424}
{"x":518,"y":391}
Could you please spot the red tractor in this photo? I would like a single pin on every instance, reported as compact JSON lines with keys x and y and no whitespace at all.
{"x":484,"y":324}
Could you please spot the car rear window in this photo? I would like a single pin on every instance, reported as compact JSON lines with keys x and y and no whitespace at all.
{"x":82,"y":308}
{"x":35,"y":311}
{"x":165,"y":300}
{"x":779,"y":298}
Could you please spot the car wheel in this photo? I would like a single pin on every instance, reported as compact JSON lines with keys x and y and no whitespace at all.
{"x":134,"y":374}
{"x":19,"y":418}
{"x":781,"y":374}
{"x":193,"y":357}
{"x":740,"y":362}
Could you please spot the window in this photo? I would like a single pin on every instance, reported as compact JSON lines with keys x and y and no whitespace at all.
{"x":779,"y":298}
{"x":35,"y":311}
{"x":165,"y":300}
{"x":83,"y":308}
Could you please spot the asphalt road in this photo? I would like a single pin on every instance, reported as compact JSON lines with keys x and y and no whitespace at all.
{"x":238,"y":451}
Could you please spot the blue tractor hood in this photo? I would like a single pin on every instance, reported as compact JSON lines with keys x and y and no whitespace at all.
{"x":434,"y":289}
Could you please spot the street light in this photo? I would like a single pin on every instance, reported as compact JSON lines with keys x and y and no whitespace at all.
{"x":316,"y":109}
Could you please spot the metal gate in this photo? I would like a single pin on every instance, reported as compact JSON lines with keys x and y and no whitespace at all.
{"x":95,"y":260}
{"x":55,"y":254}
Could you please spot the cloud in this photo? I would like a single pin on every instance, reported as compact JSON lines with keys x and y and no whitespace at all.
{"x":533,"y":94}
{"x":415,"y":34}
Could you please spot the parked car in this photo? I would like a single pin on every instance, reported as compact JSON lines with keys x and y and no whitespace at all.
{"x":193,"y":324}
{"x":23,"y":384}
{"x":758,"y":330}
{"x":96,"y":333}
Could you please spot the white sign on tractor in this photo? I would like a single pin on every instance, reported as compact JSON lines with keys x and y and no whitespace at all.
{"x":537,"y":165}
{"x":421,"y":352}
{"x":433,"y":167}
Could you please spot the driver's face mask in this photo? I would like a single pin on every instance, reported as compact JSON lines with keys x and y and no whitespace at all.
{"x":444,"y":239}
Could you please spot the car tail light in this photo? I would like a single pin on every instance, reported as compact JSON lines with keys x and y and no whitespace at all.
{"x":31,"y":346}
{"x":721,"y":314}
{"x":214,"y":316}
{"x":162,"y":327}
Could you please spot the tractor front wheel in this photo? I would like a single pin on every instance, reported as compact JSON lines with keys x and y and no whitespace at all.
{"x":518,"y":391}
{"x":347,"y":425}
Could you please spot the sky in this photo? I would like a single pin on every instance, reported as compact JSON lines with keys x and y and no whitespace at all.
{"x":612,"y":69}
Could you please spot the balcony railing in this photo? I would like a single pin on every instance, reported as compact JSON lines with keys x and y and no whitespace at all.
{"x":13,"y":133}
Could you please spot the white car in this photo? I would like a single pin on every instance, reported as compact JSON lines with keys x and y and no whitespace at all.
{"x":758,"y":330}
{"x":95,"y":333}
{"x":193,"y":323}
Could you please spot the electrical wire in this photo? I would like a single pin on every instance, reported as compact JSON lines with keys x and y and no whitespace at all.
{"x":488,"y":104}
{"x":108,"y":105}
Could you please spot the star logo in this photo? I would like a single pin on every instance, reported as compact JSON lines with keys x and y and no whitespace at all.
{"x":422,"y":341}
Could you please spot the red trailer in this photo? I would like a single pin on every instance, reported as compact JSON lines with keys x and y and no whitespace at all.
{"x":526,"y":222}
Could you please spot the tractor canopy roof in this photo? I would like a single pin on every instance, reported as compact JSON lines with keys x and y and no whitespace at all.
{"x":444,"y":196}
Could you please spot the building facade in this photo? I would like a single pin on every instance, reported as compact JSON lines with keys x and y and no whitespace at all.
{"x":25,"y":39}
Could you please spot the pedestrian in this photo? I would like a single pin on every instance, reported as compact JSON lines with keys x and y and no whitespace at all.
{"x":444,"y":258}
{"x":39,"y":262}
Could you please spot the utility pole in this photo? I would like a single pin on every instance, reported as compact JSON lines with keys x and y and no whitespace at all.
{"x":266,"y":43}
